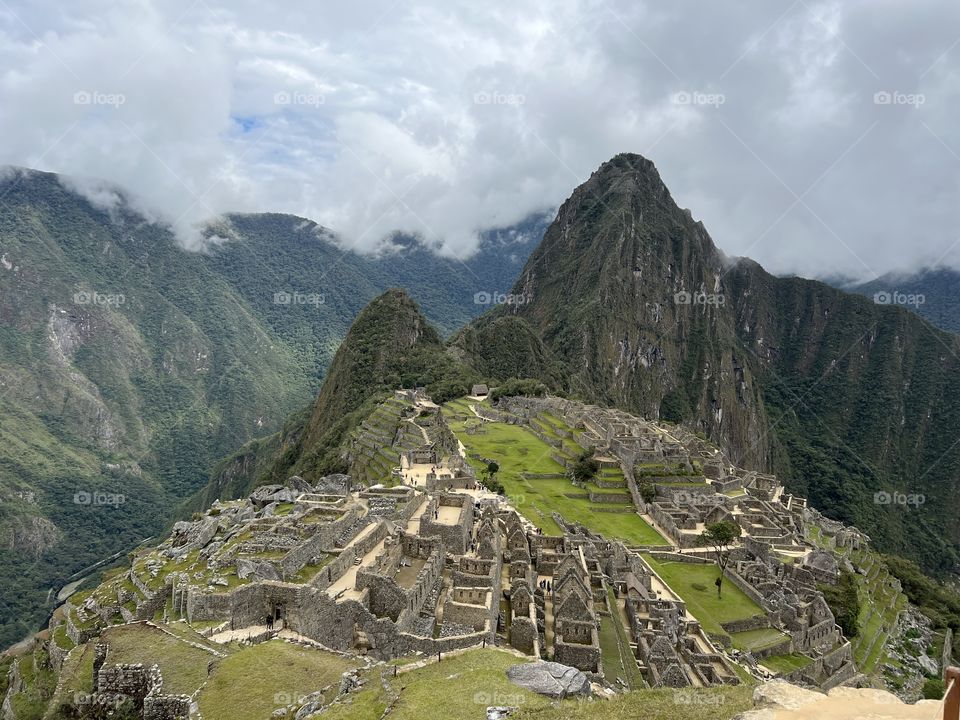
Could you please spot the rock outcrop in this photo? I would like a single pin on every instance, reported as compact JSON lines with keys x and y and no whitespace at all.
{"x":778,"y":700}
{"x":550,"y":679}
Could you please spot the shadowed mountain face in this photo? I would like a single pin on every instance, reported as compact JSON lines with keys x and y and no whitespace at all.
{"x":129,"y":366}
{"x":627,"y":301}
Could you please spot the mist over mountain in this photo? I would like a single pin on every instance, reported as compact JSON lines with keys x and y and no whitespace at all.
{"x":932,"y":293}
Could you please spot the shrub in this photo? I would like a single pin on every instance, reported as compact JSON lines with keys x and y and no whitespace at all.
{"x":934,"y":689}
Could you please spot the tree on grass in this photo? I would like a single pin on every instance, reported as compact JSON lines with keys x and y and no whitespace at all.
{"x":721,"y":536}
{"x":490,"y":481}
{"x":648,"y":492}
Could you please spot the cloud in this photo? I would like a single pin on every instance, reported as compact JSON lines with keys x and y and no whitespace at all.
{"x":814,"y":137}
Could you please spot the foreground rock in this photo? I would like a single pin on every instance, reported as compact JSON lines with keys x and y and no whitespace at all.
{"x":779,"y":700}
{"x":550,"y":679}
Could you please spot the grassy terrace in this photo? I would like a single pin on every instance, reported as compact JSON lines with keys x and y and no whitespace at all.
{"x":184,"y":667}
{"x":754,"y":640}
{"x":786,"y":664}
{"x":518,"y":451}
{"x":252,"y":683}
{"x":694,"y":585}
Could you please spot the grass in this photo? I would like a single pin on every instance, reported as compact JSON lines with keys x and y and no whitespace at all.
{"x":518,"y":451}
{"x":785,"y":664}
{"x":184,"y":667}
{"x":253,"y":682}
{"x":457,"y":688}
{"x":704,"y":604}
{"x":753,"y":640}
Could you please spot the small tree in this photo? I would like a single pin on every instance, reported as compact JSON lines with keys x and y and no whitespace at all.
{"x":648,"y":492}
{"x":489,"y":478}
{"x":585,"y":469}
{"x":720,"y":536}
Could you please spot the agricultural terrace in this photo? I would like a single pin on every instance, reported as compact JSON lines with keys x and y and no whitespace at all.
{"x":522,"y":456}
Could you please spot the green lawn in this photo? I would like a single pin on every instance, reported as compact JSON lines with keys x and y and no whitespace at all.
{"x":457,"y":688}
{"x":754,"y":640}
{"x":785,"y":664}
{"x":518,"y":451}
{"x":253,"y":682}
{"x":704,"y":604}
{"x":461,"y":688}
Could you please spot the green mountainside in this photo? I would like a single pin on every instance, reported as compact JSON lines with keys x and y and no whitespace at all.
{"x":389,"y":346}
{"x":629,"y":298}
{"x":129,"y":366}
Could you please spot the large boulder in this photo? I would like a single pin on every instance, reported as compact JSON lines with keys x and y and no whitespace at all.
{"x":260,"y":570}
{"x":267,"y":494}
{"x":549,"y":678}
{"x":779,"y":700}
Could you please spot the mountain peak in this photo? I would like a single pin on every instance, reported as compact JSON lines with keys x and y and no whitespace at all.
{"x":389,"y":345}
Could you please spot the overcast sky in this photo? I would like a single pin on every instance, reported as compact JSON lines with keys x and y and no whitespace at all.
{"x":815,"y":137}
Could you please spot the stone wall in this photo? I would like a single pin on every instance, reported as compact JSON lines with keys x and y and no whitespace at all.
{"x":747,"y":588}
{"x":166,"y":707}
{"x":347,"y":558}
{"x":757,"y":622}
{"x":323,"y":540}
